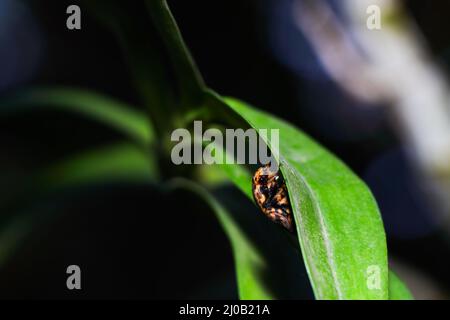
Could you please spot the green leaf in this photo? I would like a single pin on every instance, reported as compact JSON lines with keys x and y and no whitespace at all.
{"x":249,"y":264}
{"x":338,"y":223}
{"x":118,"y":162}
{"x":118,"y":115}
{"x":397,"y":289}
{"x":241,"y":177}
{"x":237,"y":174}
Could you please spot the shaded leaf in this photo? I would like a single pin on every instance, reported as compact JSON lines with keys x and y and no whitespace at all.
{"x":92,"y":105}
{"x":397,"y":289}
{"x":190,"y":81}
{"x":258,"y":271}
{"x":122,"y":162}
{"x":118,"y":162}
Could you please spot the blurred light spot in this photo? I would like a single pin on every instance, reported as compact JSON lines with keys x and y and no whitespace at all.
{"x":287,"y":42}
{"x":20,"y":43}
{"x":332,"y":112}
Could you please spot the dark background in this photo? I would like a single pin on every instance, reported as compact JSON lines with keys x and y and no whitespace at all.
{"x":124,"y":238}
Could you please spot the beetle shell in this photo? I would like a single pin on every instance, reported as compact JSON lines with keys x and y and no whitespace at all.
{"x":270,"y":194}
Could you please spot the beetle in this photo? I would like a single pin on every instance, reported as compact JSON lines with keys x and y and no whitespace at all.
{"x":271,"y":196}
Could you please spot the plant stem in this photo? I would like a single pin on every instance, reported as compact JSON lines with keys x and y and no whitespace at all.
{"x":190,"y":81}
